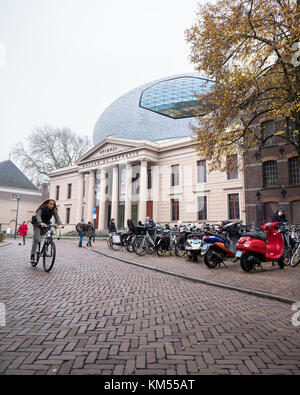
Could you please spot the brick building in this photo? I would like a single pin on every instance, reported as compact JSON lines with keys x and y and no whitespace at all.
{"x":272,"y":176}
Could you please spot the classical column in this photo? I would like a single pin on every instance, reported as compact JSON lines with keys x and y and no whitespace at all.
{"x":143,"y":191}
{"x":80,"y":197}
{"x":91,"y":196}
{"x":155,"y":190}
{"x":115,"y":194}
{"x":128,"y":193}
{"x":103,"y":197}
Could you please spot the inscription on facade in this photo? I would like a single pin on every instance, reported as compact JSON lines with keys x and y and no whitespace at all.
{"x":107,"y":150}
{"x":111,"y":159}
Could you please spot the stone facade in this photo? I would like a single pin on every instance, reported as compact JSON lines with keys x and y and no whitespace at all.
{"x":123,"y":179}
{"x":28,"y":202}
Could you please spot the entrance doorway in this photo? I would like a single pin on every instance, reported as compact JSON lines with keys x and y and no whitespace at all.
{"x":134,"y":213}
{"x":149,"y":209}
{"x":108,"y":214}
{"x":121,"y":216}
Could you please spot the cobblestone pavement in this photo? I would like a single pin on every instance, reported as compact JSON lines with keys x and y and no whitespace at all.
{"x":284,"y":283}
{"x":96,"y":315}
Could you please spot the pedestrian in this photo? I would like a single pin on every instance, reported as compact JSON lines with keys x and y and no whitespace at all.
{"x":81,"y":228}
{"x":149,"y":222}
{"x":23,"y":231}
{"x":112,"y":226}
{"x":279,"y":216}
{"x":90,"y":231}
{"x":42,"y":219}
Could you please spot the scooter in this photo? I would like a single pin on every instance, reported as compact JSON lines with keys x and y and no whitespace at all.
{"x":255,"y":248}
{"x":193,"y":246}
{"x":216,"y":248}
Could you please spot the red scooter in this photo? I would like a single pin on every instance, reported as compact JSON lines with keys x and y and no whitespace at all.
{"x":255,"y":248}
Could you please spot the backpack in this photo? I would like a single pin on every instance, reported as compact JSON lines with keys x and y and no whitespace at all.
{"x":34,"y":220}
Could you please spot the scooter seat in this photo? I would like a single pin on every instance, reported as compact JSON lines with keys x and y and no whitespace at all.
{"x":260,"y":236}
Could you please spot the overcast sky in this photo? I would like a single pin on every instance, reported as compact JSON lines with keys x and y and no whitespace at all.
{"x":62,"y":62}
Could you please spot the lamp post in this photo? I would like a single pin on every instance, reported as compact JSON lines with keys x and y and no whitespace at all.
{"x":18,"y":200}
{"x":96,"y":190}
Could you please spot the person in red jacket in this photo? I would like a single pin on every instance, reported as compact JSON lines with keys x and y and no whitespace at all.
{"x":23,"y":230}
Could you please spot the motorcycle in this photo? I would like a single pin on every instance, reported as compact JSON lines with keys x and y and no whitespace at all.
{"x":218,"y":247}
{"x":255,"y":248}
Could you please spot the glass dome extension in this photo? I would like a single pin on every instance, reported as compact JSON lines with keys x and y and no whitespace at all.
{"x":176,"y":98}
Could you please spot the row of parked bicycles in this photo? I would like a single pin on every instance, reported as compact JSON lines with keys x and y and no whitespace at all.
{"x":274,"y":242}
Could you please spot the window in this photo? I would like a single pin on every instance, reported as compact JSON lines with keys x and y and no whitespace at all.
{"x":294,"y":171}
{"x":201,"y":166}
{"x":270,"y":173}
{"x":290,"y":128}
{"x":135,"y":180}
{"x":149,"y":179}
{"x":175,"y":209}
{"x":174,"y":175}
{"x":83,"y":188}
{"x":234,"y":206}
{"x":232,"y":167}
{"x":14,"y":196}
{"x":68,"y":212}
{"x":268,"y":129}
{"x":69,"y":191}
{"x":202,"y":208}
{"x":57,"y":193}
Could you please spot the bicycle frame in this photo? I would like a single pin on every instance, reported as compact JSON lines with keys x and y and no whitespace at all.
{"x":43,"y":251}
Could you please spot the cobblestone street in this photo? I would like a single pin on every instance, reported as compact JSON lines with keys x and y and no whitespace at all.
{"x":96,"y":315}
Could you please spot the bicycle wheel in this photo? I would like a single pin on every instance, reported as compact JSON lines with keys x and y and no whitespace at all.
{"x":109,"y":242}
{"x":150,"y":248}
{"x":139,"y":246}
{"x":161,"y":251}
{"x":179,"y":248}
{"x":128,"y":244}
{"x":296,"y":257}
{"x":286,"y":257}
{"x":116,"y":247}
{"x":36,"y":256}
{"x":49,"y":253}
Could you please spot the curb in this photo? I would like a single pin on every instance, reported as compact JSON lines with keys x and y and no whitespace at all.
{"x":4,"y":244}
{"x":248,"y":291}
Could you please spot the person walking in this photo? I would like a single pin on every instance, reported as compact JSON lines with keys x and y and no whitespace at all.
{"x":81,"y":228}
{"x":279,"y":216}
{"x":112,"y":226}
{"x":90,"y":231}
{"x":149,"y":222}
{"x":23,"y":231}
{"x":42,"y":219}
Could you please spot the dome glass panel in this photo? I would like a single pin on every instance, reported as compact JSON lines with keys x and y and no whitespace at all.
{"x":176,"y":98}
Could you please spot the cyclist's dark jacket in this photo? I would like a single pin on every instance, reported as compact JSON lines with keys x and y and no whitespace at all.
{"x":112,"y":227}
{"x":279,"y":218}
{"x":44,"y":214}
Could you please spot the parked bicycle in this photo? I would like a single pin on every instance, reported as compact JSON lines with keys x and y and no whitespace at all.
{"x":145,"y":243}
{"x":48,"y":251}
{"x":295,"y":236}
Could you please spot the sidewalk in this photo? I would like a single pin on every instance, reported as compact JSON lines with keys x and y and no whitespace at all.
{"x":272,"y":282}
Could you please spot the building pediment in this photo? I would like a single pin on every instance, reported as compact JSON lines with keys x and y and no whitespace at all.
{"x":108,"y":147}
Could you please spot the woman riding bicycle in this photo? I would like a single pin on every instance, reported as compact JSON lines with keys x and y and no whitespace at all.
{"x":43,"y":216}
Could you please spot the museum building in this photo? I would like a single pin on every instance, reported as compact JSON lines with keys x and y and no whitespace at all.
{"x":144,"y":163}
